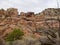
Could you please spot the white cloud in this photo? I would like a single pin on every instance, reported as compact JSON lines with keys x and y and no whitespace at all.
{"x":28,"y":5}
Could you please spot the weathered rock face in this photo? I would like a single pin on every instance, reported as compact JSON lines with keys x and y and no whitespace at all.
{"x":28,"y":22}
{"x":12,"y":20}
{"x":2,"y":13}
{"x":49,"y":16}
{"x":12,"y":11}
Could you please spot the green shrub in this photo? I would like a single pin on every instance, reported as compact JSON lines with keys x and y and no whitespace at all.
{"x":14,"y":35}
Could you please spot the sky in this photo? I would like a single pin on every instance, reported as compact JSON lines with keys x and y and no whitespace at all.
{"x":28,"y":5}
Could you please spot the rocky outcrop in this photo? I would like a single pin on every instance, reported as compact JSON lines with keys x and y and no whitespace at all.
{"x":28,"y":22}
{"x":50,"y":16}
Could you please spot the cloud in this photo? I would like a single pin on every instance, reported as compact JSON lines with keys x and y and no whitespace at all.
{"x":28,"y":5}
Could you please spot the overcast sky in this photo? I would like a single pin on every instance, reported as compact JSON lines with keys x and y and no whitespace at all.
{"x":28,"y":5}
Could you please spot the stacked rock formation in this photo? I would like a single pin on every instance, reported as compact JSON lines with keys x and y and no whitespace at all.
{"x":28,"y":22}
